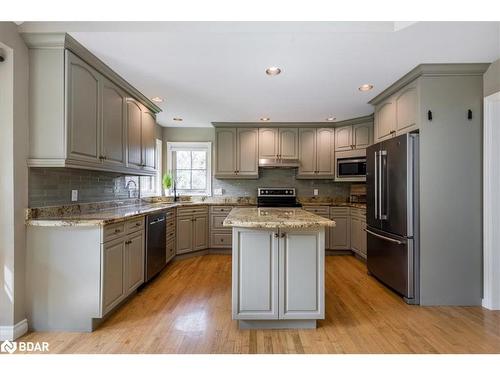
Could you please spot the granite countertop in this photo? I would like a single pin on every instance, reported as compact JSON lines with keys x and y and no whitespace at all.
{"x":269,"y":218}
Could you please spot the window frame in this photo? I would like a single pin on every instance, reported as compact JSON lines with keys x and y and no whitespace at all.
{"x":192,"y":146}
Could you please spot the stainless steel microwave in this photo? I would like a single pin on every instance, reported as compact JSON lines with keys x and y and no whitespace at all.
{"x":351,"y":167}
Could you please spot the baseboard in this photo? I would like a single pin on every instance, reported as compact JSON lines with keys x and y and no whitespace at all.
{"x":13,"y":332}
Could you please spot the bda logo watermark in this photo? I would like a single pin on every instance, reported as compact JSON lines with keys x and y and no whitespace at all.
{"x":29,"y":347}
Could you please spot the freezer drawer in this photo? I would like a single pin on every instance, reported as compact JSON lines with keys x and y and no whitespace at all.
{"x":390,"y":259}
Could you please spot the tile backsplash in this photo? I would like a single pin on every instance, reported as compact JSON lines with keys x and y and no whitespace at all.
{"x":282,"y":178}
{"x":52,"y":186}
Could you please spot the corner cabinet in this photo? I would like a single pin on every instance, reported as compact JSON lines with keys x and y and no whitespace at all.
{"x":316,"y":153}
{"x":81,"y":115}
{"x":192,"y":229}
{"x":237,"y":153}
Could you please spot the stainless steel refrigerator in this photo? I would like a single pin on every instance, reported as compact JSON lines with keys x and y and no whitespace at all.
{"x":392,"y":214}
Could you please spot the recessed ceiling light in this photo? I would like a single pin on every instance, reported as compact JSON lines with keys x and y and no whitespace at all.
{"x":265,"y":119}
{"x":157,"y":99}
{"x":273,"y":71}
{"x":177,"y":119}
{"x":365,"y":87}
{"x":331,"y":118}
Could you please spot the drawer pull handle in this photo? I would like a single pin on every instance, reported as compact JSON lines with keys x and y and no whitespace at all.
{"x":137,"y":224}
{"x":117,"y":230}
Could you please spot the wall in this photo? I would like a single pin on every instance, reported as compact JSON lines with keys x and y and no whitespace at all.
{"x":14,"y":80}
{"x":268,"y":177}
{"x":491,"y":79}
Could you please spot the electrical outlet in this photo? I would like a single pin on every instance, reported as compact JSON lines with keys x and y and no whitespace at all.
{"x":315,"y":192}
{"x":218,"y":191}
{"x":74,"y":195}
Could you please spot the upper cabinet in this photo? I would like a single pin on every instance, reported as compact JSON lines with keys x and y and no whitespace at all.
{"x":397,"y":114}
{"x":278,"y":143}
{"x":316,"y":153}
{"x":236,"y":153}
{"x":83,"y":115}
{"x":353,"y":137}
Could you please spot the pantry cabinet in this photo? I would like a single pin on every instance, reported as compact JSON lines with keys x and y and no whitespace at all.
{"x":316,"y":153}
{"x":236,"y":153}
{"x":81,"y":112}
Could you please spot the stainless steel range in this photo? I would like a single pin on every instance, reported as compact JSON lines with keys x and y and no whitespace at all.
{"x":277,"y":197}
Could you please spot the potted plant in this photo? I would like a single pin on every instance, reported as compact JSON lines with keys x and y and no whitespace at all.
{"x":168,"y":183}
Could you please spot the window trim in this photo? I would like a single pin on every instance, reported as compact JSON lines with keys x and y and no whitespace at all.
{"x":192,"y":146}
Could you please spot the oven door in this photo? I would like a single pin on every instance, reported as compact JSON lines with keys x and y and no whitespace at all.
{"x":351,"y":167}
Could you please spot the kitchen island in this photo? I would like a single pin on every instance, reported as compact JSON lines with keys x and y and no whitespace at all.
{"x":278,"y":267}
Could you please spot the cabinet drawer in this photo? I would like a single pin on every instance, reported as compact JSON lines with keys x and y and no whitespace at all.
{"x":318,"y":210}
{"x":171,"y":235}
{"x":170,"y":224}
{"x":170,"y":250}
{"x":359,"y":212}
{"x":340,"y":211}
{"x":134,"y":225}
{"x":218,"y":240}
{"x":216,"y":221}
{"x":113,"y":231}
{"x":220,"y":209}
{"x":187,"y":211}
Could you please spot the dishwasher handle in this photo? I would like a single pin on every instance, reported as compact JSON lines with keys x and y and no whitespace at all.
{"x":157,"y":221}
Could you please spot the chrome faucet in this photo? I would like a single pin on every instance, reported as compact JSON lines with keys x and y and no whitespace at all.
{"x":129,"y":189}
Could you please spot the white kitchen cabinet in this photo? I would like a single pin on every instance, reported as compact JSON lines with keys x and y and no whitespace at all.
{"x":340,"y":235}
{"x":236,"y":153}
{"x":192,"y":229}
{"x":113,"y":124}
{"x":92,"y":270}
{"x":358,"y":234}
{"x":220,"y":236}
{"x":301,"y":270}
{"x":343,"y":138}
{"x":316,"y":153}
{"x":385,"y":120}
{"x":278,"y":143}
{"x":78,"y":113}
{"x":323,"y":211}
{"x":353,"y":137}
{"x":113,"y":275}
{"x":255,"y":274}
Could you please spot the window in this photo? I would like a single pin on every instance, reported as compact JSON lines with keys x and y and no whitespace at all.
{"x":190,"y":164}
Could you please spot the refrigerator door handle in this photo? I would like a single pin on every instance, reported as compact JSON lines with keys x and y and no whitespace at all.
{"x":384,"y":237}
{"x":376,"y":185}
{"x":382,"y":180}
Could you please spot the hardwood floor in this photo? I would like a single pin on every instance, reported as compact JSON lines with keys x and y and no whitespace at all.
{"x":187,"y":309}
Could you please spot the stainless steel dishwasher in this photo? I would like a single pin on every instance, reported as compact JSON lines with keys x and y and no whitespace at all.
{"x":156,"y":242}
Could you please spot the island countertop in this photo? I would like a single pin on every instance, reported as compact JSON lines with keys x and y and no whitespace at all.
{"x":269,"y":218}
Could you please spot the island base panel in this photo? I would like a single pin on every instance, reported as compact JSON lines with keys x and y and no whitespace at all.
{"x":277,"y":324}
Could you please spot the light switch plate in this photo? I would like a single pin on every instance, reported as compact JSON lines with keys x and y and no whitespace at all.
{"x":315,"y":192}
{"x":74,"y":195}
{"x":218,"y":191}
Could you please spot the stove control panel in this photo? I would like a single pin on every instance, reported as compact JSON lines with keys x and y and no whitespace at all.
{"x":276,"y":192}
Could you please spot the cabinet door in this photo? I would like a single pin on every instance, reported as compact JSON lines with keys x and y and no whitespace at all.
{"x":113,"y":290}
{"x":148,"y":141}
{"x":301,"y":284}
{"x":134,"y":119}
{"x":355,"y":238}
{"x":362,"y":235}
{"x":362,"y":136}
{"x":83,"y":111}
{"x":113,"y":124}
{"x":200,"y":232}
{"x":307,"y":152}
{"x":385,"y":120}
{"x":325,"y":166}
{"x":288,"y":143}
{"x":268,"y":143}
{"x":184,"y":234}
{"x":254,"y":274}
{"x":134,"y":262}
{"x":247,"y":152}
{"x":343,"y":138}
{"x":406,"y":109}
{"x":225,"y":152}
{"x":340,"y":235}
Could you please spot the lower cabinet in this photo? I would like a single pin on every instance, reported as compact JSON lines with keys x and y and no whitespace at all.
{"x":323,"y":211}
{"x":220,"y":236}
{"x":278,"y":274}
{"x":358,"y":234}
{"x":340,"y":235}
{"x":171,"y":234}
{"x":192,"y":229}
{"x":122,"y":268}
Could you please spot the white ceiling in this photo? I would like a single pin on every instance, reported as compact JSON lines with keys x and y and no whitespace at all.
{"x":214,"y":71}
